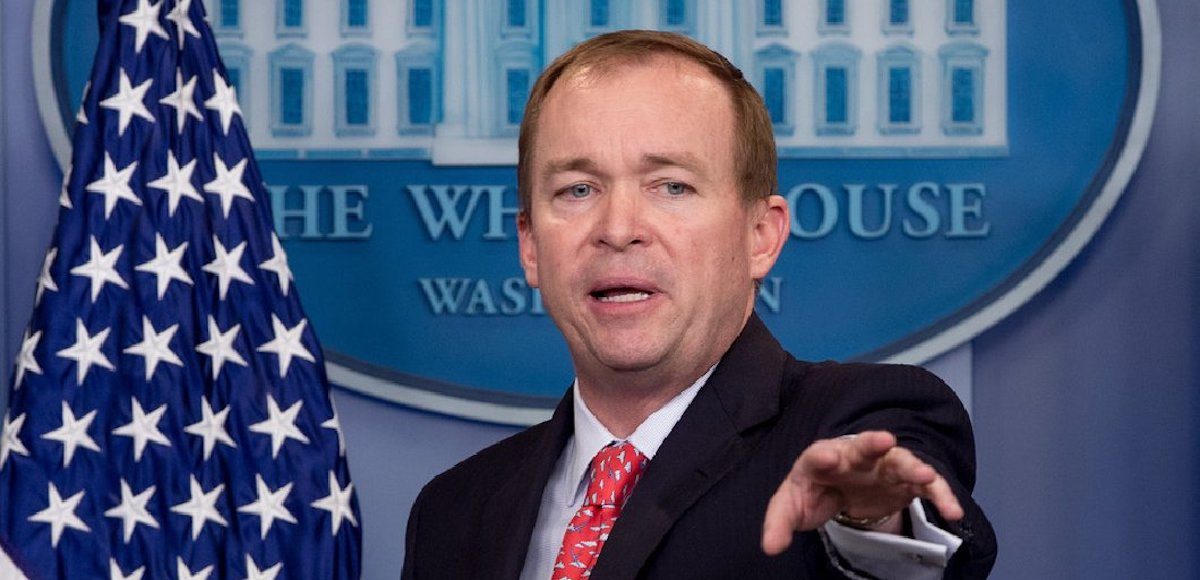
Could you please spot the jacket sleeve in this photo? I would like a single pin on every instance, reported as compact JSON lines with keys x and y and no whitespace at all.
{"x":928,"y":419}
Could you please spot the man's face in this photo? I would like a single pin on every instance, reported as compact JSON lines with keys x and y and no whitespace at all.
{"x":637,"y":235}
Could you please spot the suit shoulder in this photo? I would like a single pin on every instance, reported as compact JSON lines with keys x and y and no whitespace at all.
{"x":848,"y":397}
{"x":874,"y":377}
{"x":494,"y":461}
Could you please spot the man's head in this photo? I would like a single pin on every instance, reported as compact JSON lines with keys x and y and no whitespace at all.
{"x":637,"y":226}
{"x":754,"y":153}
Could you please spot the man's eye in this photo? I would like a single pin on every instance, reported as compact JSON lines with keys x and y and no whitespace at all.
{"x":579,"y":190}
{"x":675,"y":188}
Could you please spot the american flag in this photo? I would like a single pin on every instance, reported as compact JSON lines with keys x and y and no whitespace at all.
{"x":170,"y":415}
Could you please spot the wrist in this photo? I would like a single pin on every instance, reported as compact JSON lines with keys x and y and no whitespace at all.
{"x":889,"y":523}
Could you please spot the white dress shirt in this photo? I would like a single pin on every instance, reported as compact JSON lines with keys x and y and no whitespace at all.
{"x":924,"y":556}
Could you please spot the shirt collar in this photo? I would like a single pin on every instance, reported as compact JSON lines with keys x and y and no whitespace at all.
{"x":591,"y":436}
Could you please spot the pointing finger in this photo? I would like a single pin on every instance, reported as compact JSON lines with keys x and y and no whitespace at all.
{"x":943,"y":498}
{"x":901,"y":466}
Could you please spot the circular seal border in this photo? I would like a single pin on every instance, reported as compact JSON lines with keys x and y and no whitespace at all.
{"x":1105,"y":191}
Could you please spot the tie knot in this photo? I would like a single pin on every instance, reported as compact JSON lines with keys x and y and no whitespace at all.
{"x":615,"y":470}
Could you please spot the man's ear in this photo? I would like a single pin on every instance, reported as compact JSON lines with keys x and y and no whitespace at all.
{"x":772,"y":223}
{"x":527,"y":248}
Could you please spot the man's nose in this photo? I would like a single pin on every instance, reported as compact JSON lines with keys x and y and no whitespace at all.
{"x":621,"y":222}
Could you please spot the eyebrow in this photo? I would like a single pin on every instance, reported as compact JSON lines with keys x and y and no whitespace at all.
{"x":573,"y":164}
{"x":650,"y":160}
{"x":681,"y":159}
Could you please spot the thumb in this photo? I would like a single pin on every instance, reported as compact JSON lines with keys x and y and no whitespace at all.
{"x":780,"y":522}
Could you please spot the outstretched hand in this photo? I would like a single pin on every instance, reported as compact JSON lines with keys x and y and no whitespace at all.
{"x":866,"y":476}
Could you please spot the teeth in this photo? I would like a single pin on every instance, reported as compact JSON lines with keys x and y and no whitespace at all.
{"x":629,"y":297}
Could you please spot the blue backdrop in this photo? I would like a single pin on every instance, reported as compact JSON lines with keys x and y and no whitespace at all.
{"x":1084,"y":400}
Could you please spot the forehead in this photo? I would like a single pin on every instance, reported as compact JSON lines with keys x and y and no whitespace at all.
{"x":663,"y":103}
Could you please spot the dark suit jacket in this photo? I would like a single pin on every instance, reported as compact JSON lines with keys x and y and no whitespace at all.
{"x":697,"y":511}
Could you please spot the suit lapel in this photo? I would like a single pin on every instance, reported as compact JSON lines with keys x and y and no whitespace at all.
{"x":509,"y":515}
{"x":705,"y":445}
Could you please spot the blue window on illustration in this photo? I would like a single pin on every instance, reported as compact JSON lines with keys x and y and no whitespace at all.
{"x":598,"y":14}
{"x":422,"y":13}
{"x":775,"y":94}
{"x":898,"y":12}
{"x":900,"y":95}
{"x":772,"y":14}
{"x":358,"y":97}
{"x":516,"y":16}
{"x":962,"y":95}
{"x":675,"y":13}
{"x":356,"y":13}
{"x":293,"y":13}
{"x":420,"y":96}
{"x":230,"y":13}
{"x":836,"y":95}
{"x":835,"y":12}
{"x":517,"y":87}
{"x":964,"y":12}
{"x":291,"y":82}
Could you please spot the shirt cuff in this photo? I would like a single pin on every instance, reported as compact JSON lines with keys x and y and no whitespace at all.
{"x":923,"y":556}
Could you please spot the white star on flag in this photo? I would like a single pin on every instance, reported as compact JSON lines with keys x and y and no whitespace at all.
{"x":101,"y":268}
{"x":166,"y":265}
{"x":183,"y":22}
{"x":60,"y":514}
{"x":26,"y":360}
{"x":226,"y":266}
{"x":177,"y":183}
{"x":287,"y":344}
{"x":220,"y":347}
{"x":45,"y":281}
{"x":269,"y":505}
{"x":143,"y":428}
{"x":115,"y":573}
{"x":128,"y":102}
{"x":144,"y":20}
{"x":10,"y":438}
{"x":132,"y":509}
{"x":114,"y":185}
{"x":223,"y":101}
{"x":183,"y":100}
{"x":336,"y":424}
{"x":337,"y":503}
{"x":73,"y":433}
{"x":86,"y":351}
{"x":228,"y":183}
{"x":155,"y":346}
{"x":211,"y":428}
{"x":182,"y":572}
{"x":278,"y":263}
{"x":280,"y":425}
{"x":254,"y":573}
{"x":202,"y":507}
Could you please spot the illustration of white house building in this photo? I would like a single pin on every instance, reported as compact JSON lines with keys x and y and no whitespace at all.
{"x":446,"y":80}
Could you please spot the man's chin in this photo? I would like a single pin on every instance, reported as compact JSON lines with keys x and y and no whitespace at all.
{"x":628,"y":358}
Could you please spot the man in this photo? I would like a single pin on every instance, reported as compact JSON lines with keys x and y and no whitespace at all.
{"x":690,"y":445}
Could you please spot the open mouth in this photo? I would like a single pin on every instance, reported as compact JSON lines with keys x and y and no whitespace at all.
{"x":622,"y":294}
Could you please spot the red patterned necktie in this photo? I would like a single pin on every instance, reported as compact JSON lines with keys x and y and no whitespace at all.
{"x":615,"y":470}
